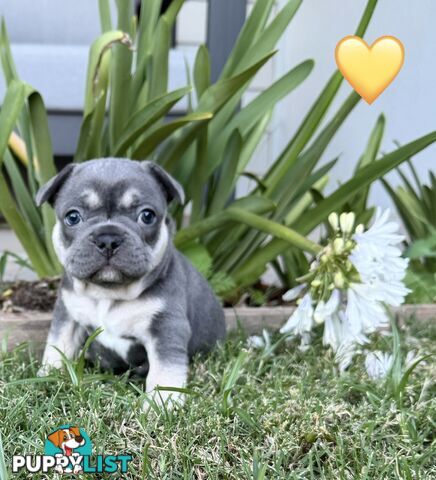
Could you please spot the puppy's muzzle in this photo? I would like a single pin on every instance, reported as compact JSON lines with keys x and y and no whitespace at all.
{"x":107,"y":240}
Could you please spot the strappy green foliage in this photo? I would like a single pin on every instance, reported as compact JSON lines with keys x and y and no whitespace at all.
{"x":129,"y":112}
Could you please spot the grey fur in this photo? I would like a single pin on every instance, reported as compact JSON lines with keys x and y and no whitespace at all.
{"x":181,"y":316}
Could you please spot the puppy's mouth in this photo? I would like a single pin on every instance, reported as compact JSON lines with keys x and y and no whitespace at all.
{"x":108,"y":276}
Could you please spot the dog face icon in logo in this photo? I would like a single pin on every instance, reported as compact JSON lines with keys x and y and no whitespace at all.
{"x":68,"y":442}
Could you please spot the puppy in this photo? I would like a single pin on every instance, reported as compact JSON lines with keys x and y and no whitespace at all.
{"x":67,"y":440}
{"x":114,"y":238}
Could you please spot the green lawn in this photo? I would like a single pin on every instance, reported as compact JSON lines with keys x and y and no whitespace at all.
{"x":284,"y":414}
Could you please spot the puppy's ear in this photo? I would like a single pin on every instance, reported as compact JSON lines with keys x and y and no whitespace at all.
{"x":48,"y":192}
{"x":172,"y":188}
{"x":75,"y":431}
{"x":56,"y":438}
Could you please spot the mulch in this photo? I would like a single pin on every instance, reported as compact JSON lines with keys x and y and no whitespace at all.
{"x":40,"y":295}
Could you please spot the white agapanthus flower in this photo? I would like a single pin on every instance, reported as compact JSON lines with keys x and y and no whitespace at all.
{"x":350,"y":283}
{"x":378,"y":364}
{"x":259,"y":342}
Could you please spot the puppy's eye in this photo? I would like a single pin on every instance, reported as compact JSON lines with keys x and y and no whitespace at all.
{"x":73,"y":218}
{"x":147,"y":217}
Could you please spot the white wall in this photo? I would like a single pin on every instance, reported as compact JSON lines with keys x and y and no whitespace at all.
{"x":409,"y":103}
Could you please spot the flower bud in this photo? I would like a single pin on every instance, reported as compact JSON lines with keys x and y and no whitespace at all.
{"x":360,"y":228}
{"x":338,"y":245}
{"x":316,"y":283}
{"x":346,"y":221}
{"x":339,"y":280}
{"x":334,"y":220}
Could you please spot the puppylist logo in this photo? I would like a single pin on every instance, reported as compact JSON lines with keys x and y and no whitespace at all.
{"x":69,"y":450}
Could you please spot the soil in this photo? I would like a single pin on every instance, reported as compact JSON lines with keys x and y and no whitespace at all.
{"x":40,"y":295}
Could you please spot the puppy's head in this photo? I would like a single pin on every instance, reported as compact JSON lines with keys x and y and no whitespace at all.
{"x":68,"y":438}
{"x":112,"y":226}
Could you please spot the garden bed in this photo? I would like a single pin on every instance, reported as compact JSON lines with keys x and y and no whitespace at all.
{"x":33,"y":326}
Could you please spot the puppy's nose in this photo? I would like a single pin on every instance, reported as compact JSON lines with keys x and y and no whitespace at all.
{"x":108,"y":243}
{"x":79,"y":439}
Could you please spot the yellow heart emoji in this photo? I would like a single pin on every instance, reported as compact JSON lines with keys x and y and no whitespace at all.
{"x":369,"y":70}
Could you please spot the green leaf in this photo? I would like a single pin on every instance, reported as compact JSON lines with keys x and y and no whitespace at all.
{"x":13,"y":104}
{"x":374,"y":142}
{"x":227,"y":174}
{"x":199,"y":257}
{"x":158,"y":73}
{"x":120,"y":78}
{"x":99,"y":64}
{"x":172,"y":11}
{"x":150,"y":10}
{"x":245,"y":217}
{"x":316,"y":114}
{"x":200,"y":179}
{"x":202,"y":71}
{"x":269,"y":37}
{"x":43,"y":151}
{"x":146,"y":117}
{"x":156,"y":135}
{"x":224,"y":239}
{"x":81,"y":361}
{"x":105,"y":15}
{"x":252,"y":140}
{"x":250,"y":32}
{"x":423,"y":248}
{"x":8,"y":64}
{"x":213,"y":99}
{"x":304,"y":163}
{"x":246,"y":119}
{"x":319,"y":213}
{"x":364,"y":177}
{"x":218,"y":94}
{"x":369,"y":156}
{"x":21,"y":193}
{"x":3,"y":470}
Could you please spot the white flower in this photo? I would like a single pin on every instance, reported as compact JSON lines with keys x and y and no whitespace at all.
{"x":364,"y":313}
{"x":378,"y":364}
{"x":378,"y":260}
{"x":325,"y":310}
{"x":364,"y":271}
{"x":294,"y":293}
{"x":258,"y":342}
{"x":344,"y":355}
{"x":411,"y":357}
{"x":301,"y":320}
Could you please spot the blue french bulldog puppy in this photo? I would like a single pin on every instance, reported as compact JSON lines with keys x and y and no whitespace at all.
{"x":114,"y":238}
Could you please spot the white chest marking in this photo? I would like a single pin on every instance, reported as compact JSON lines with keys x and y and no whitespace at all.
{"x":122,"y":319}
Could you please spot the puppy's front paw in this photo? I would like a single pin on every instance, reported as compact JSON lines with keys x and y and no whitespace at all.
{"x":43,"y":371}
{"x":165,"y":399}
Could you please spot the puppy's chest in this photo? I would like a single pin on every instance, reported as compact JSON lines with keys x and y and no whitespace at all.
{"x":117,"y":318}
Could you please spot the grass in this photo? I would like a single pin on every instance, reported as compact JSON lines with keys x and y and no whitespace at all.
{"x":250,"y":414}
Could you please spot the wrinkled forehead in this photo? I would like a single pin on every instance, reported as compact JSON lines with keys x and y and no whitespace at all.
{"x":110,"y":189}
